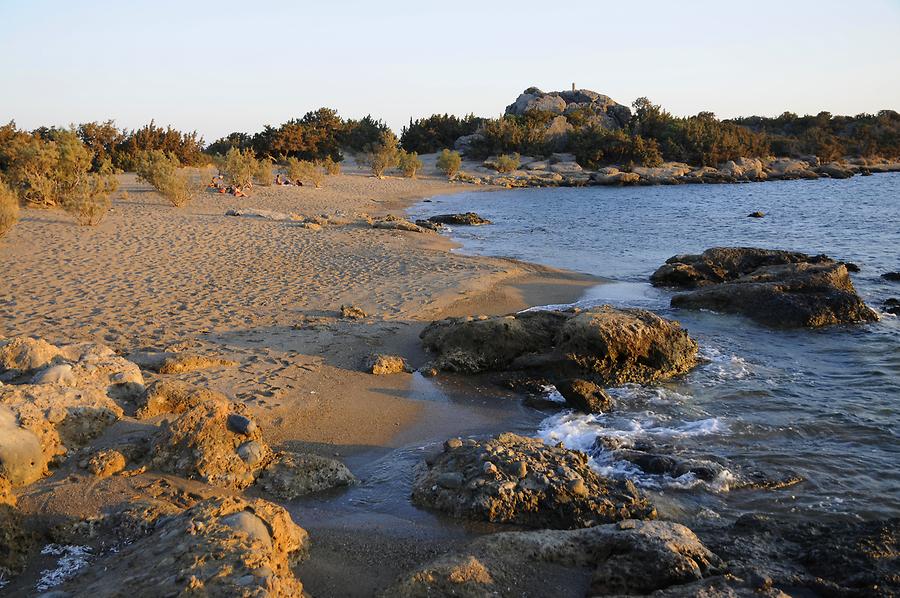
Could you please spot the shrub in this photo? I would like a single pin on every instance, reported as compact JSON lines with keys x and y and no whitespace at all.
{"x":594,"y":146}
{"x":384,"y":155}
{"x":9,"y":208}
{"x":449,"y":163}
{"x":507,"y":163}
{"x":409,"y":163}
{"x":165,"y":174}
{"x":239,"y":167}
{"x":310,"y":172}
{"x":331,"y":167}
{"x":90,"y":202}
{"x":294,"y":169}
{"x":427,"y":135}
{"x":186,"y":147}
{"x":46,"y":171}
{"x":264,"y":175}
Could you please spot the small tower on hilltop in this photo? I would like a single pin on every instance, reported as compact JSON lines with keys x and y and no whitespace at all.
{"x":573,"y":86}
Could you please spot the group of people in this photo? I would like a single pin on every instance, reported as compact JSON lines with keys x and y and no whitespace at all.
{"x":218,"y":184}
{"x":282,"y":179}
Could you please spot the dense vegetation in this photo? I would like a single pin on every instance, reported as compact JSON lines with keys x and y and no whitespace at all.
{"x":437,"y":132}
{"x":320,"y":135}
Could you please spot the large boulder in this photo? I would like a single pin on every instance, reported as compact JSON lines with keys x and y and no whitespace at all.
{"x":514,"y":479}
{"x":467,"y":219}
{"x":22,"y":459}
{"x":292,"y":475}
{"x":218,"y":547}
{"x":216,"y":442}
{"x":605,"y":344}
{"x":174,"y":396}
{"x":775,"y":288}
{"x":627,"y":558}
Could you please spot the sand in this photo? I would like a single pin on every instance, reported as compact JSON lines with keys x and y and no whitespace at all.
{"x":267,"y":295}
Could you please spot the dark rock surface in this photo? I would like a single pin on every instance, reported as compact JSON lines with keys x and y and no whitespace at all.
{"x":603,"y":344}
{"x":467,"y":219}
{"x":585,"y":396}
{"x":775,"y":288}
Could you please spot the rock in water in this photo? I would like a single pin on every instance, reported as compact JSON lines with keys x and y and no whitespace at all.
{"x":892,"y":306}
{"x":527,"y":483}
{"x":584,"y":396}
{"x":756,"y":215}
{"x":467,"y":219}
{"x":776,"y":288}
{"x":628,"y":558}
{"x":603,"y":344}
{"x":892,"y":276}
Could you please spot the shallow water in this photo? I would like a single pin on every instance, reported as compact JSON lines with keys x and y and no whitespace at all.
{"x":823,"y":405}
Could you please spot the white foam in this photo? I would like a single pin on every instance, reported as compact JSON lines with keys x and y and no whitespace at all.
{"x":71,"y":560}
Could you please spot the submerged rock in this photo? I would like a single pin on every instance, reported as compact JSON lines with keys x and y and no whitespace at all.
{"x":514,"y":479}
{"x":775,"y":288}
{"x":218,"y":547}
{"x":605,"y":344}
{"x":628,"y":558}
{"x":892,"y":306}
{"x":467,"y":219}
{"x":892,"y":276}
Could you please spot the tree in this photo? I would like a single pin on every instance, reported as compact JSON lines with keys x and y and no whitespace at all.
{"x":449,"y":163}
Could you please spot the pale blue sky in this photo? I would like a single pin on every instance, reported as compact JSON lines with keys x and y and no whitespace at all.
{"x":223,"y":66}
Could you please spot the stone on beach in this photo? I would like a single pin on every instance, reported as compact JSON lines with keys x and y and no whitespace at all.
{"x":515,"y":479}
{"x":172,"y":362}
{"x":775,"y":288}
{"x":174,"y":396}
{"x":292,"y":475}
{"x":380,"y":365}
{"x":603,"y":344}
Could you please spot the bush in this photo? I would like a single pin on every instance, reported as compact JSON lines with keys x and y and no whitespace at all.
{"x":409,"y":163}
{"x":507,"y":163}
{"x":90,"y":202}
{"x":239,"y":167}
{"x":449,"y":163}
{"x":331,"y":167}
{"x":309,"y":172}
{"x":427,"y":135}
{"x":9,"y":208}
{"x":46,"y":171}
{"x":384,"y":155}
{"x":165,"y":174}
{"x":264,"y":174}
{"x":595,"y":146}
{"x":186,"y":147}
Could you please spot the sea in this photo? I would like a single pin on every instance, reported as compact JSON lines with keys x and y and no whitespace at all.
{"x":796,"y":423}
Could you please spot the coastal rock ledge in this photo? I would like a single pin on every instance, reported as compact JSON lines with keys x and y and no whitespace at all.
{"x":781,"y":289}
{"x":603,"y":344}
{"x":515,"y":479}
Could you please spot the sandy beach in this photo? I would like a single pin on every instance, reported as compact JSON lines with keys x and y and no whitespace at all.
{"x":266,"y":295}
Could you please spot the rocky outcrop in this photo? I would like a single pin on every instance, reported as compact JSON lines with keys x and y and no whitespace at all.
{"x":592,"y":107}
{"x":467,"y":219}
{"x":171,"y":362}
{"x":16,"y":542}
{"x":627,"y":558}
{"x":775,"y":288}
{"x":218,"y":547}
{"x":514,"y":479}
{"x":292,"y":475}
{"x":391,"y":222}
{"x":214,"y":441}
{"x":69,"y":395}
{"x":174,"y":396}
{"x":602,"y":344}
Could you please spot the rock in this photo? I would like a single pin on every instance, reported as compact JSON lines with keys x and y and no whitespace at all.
{"x":775,"y":288}
{"x":602,"y":344}
{"x":106,"y":463}
{"x":391,"y":222}
{"x":789,"y":168}
{"x":531,"y":484}
{"x":851,"y":267}
{"x":22,"y":459}
{"x":174,"y":396}
{"x":631,"y":558}
{"x":56,"y":374}
{"x":613,"y":176}
{"x":816,"y":557}
{"x":467,"y":219}
{"x":181,"y":363}
{"x":218,"y":547}
{"x":756,"y":215}
{"x":241,"y":424}
{"x":585,"y":396}
{"x":667,"y":174}
{"x":381,"y":365}
{"x":22,"y":355}
{"x":429,"y":225}
{"x":891,"y":276}
{"x":291,"y":475}
{"x":834,"y":170}
{"x":202,"y":443}
{"x":892,"y":306}
{"x":351,"y":312}
{"x":16,"y":542}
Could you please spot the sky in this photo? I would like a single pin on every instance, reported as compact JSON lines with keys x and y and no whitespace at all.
{"x":224,"y":66}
